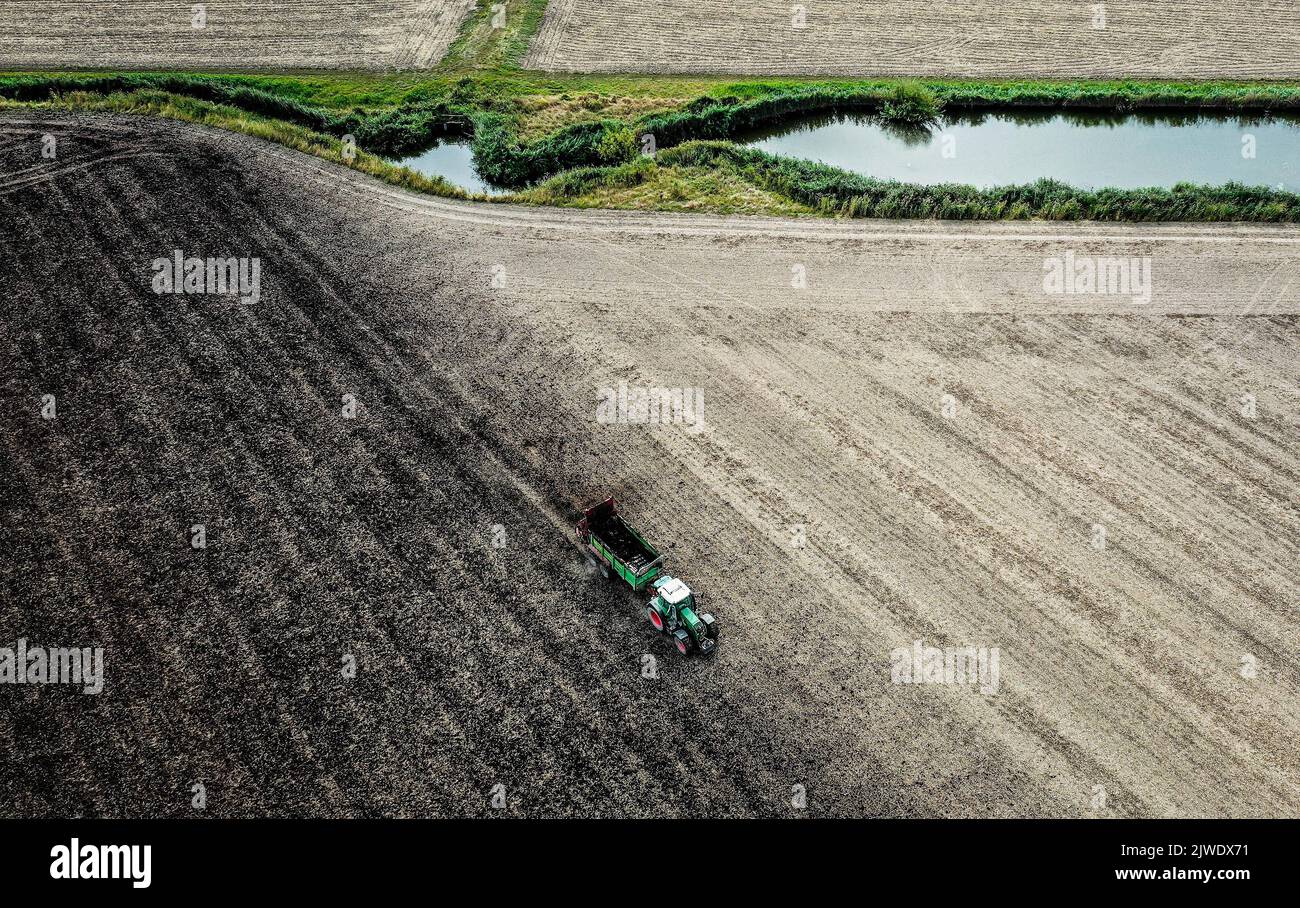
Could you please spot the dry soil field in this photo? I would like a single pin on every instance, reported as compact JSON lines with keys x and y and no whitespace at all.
{"x":236,"y":34}
{"x":993,"y":38}
{"x":942,"y":437}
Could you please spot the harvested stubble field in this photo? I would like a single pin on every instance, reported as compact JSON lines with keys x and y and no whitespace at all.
{"x":1121,"y":665}
{"x":238,"y":35}
{"x":1173,"y":39}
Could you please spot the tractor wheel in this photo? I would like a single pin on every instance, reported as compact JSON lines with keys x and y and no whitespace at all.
{"x":656,"y":619}
{"x":683,"y":641}
{"x":710,"y":625}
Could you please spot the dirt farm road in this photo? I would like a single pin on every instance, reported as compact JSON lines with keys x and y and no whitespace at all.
{"x":905,"y":438}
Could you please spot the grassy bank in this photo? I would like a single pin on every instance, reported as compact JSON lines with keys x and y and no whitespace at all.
{"x":786,"y":186}
{"x":717,"y":188}
{"x":589,"y":132}
{"x":837,"y":192}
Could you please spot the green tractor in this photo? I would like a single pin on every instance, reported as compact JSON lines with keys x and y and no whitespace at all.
{"x":673,"y":612}
{"x":614,"y":547}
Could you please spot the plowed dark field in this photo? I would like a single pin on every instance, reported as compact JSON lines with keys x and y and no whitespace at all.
{"x":430,"y":537}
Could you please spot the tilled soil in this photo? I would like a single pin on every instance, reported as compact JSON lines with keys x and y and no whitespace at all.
{"x":1176,"y":39}
{"x":918,"y":444}
{"x":232,"y":35}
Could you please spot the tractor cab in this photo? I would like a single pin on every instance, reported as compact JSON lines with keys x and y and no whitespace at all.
{"x":673,"y":612}
{"x":675,"y":593}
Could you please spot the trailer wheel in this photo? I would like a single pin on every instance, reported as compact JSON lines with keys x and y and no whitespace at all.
{"x":683,"y":641}
{"x":655,"y":618}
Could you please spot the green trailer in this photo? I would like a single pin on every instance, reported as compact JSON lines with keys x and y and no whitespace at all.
{"x":617,"y":548}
